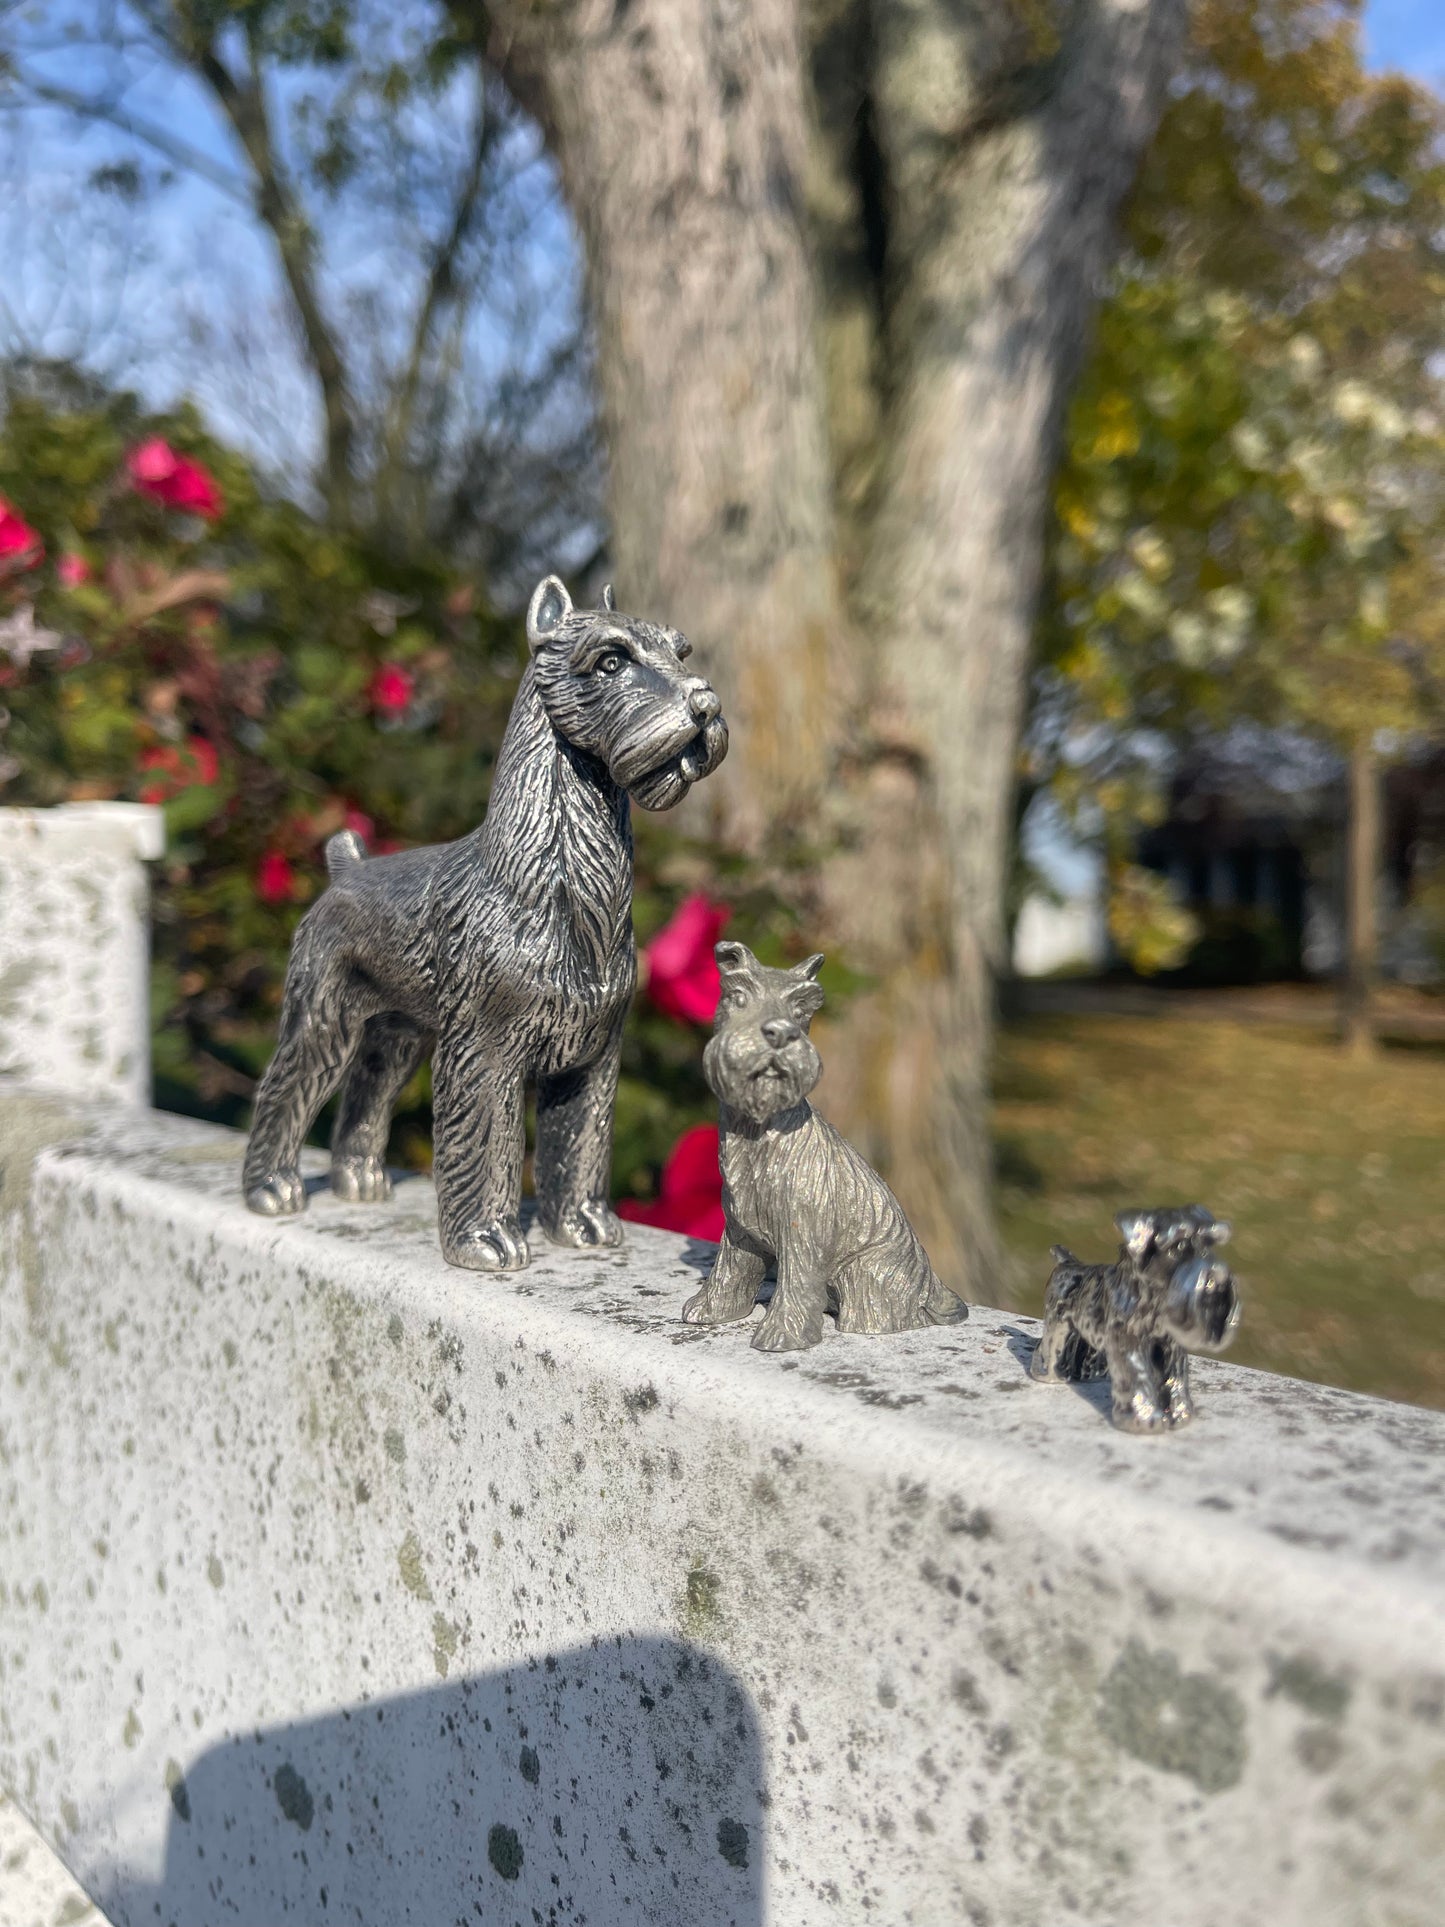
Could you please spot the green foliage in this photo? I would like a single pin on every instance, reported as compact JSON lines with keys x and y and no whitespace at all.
{"x":1246,"y":512}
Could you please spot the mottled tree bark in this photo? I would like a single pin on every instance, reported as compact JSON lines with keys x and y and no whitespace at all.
{"x":841,"y":256}
{"x":681,"y":129}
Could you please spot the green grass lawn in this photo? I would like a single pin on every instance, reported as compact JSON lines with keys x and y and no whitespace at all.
{"x":1332,"y":1171}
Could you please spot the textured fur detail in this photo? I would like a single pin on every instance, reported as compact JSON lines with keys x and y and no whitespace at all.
{"x":510,"y":951}
{"x":1137,"y":1320}
{"x":795,"y":1193}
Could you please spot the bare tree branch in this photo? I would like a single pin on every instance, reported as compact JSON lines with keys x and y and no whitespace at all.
{"x":244,"y":103}
{"x":113,"y":113}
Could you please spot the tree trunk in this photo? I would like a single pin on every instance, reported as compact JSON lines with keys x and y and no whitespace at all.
{"x":1362,"y":867}
{"x":1004,"y":186}
{"x":681,"y":130}
{"x":831,"y":428}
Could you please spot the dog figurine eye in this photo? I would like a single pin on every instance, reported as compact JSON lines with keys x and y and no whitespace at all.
{"x":610,"y":663}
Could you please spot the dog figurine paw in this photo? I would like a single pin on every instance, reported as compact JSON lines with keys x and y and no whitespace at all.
{"x":795,"y":1193}
{"x":1136,"y":1321}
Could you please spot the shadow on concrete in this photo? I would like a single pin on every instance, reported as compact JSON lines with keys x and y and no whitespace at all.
{"x":619,"y":1783}
{"x":1093,"y":1391}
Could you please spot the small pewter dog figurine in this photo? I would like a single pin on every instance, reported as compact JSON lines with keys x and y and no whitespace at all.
{"x":794,"y":1191}
{"x":509,"y":952}
{"x":1138,"y":1320}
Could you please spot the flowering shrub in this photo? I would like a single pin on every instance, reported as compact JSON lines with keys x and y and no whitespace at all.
{"x":689,"y":1192}
{"x":174,"y":480}
{"x":679,"y":971}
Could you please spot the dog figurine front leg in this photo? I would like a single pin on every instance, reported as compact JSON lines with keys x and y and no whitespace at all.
{"x":1174,"y":1380}
{"x":794,"y":1319}
{"x":1135,"y":1387}
{"x":574,"y":1153}
{"x":731,"y":1290}
{"x":480,"y":1141}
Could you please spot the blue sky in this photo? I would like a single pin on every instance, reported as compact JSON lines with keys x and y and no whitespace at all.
{"x":1408,"y":34}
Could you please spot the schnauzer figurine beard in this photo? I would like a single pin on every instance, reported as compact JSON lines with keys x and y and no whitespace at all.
{"x":795,"y":1192}
{"x":1139,"y":1319}
{"x":508,"y":954}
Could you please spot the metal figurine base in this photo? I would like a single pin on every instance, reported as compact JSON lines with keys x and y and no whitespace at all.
{"x":795,"y":1193}
{"x":1137,"y":1321}
{"x":508,"y":955}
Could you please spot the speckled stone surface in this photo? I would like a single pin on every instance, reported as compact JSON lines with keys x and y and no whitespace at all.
{"x":35,"y":1889}
{"x":338,"y":1585}
{"x":75,"y":947}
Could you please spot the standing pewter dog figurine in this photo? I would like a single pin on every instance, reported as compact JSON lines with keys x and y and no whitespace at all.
{"x":794,"y":1191}
{"x":510,"y":952}
{"x":1138,"y":1320}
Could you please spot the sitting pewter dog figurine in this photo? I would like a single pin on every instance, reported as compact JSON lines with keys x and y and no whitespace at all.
{"x":510,"y":952}
{"x":794,"y":1191}
{"x":1139,"y":1319}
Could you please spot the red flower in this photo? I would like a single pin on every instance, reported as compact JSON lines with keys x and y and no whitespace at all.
{"x":178,"y":766}
{"x":19,"y":543}
{"x":72,"y":570}
{"x":275,"y":879}
{"x":391,"y":689}
{"x":360,"y":824}
{"x":682,"y":977}
{"x":689,"y":1195}
{"x":174,"y":480}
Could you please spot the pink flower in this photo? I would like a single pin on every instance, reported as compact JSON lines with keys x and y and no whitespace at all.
{"x":682,"y":977}
{"x":174,"y":480}
{"x":689,"y":1194}
{"x":275,"y":879}
{"x":178,"y":767}
{"x":391,"y":689}
{"x":19,"y":543}
{"x":360,"y":824}
{"x":72,"y":570}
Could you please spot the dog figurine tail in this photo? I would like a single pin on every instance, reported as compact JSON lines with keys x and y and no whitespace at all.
{"x":343,"y":851}
{"x":1060,"y":1254}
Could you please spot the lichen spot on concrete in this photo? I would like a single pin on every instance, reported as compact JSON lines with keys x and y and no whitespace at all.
{"x":230,"y":1351}
{"x":409,"y":1564}
{"x":1306,"y":1682}
{"x":131,"y":1731}
{"x":394,"y":1328}
{"x":176,"y":1787}
{"x":732,"y":1843}
{"x":644,"y":1399}
{"x":215,"y":1572}
{"x":395,"y":1445}
{"x":70,"y":1814}
{"x":530,"y":1766}
{"x":701,"y":1602}
{"x":444,"y":1643}
{"x":1180,"y":1722}
{"x":293,"y":1796}
{"x":504,"y":1850}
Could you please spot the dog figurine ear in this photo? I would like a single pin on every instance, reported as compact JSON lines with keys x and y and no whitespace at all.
{"x":608,"y":601}
{"x":1137,"y":1231}
{"x":805,"y":995}
{"x":550,"y":606}
{"x":735,"y":959}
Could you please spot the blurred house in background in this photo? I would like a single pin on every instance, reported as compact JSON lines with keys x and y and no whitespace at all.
{"x":1253,"y":846}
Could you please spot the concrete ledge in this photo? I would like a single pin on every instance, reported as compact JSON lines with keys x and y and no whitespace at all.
{"x":336,"y":1585}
